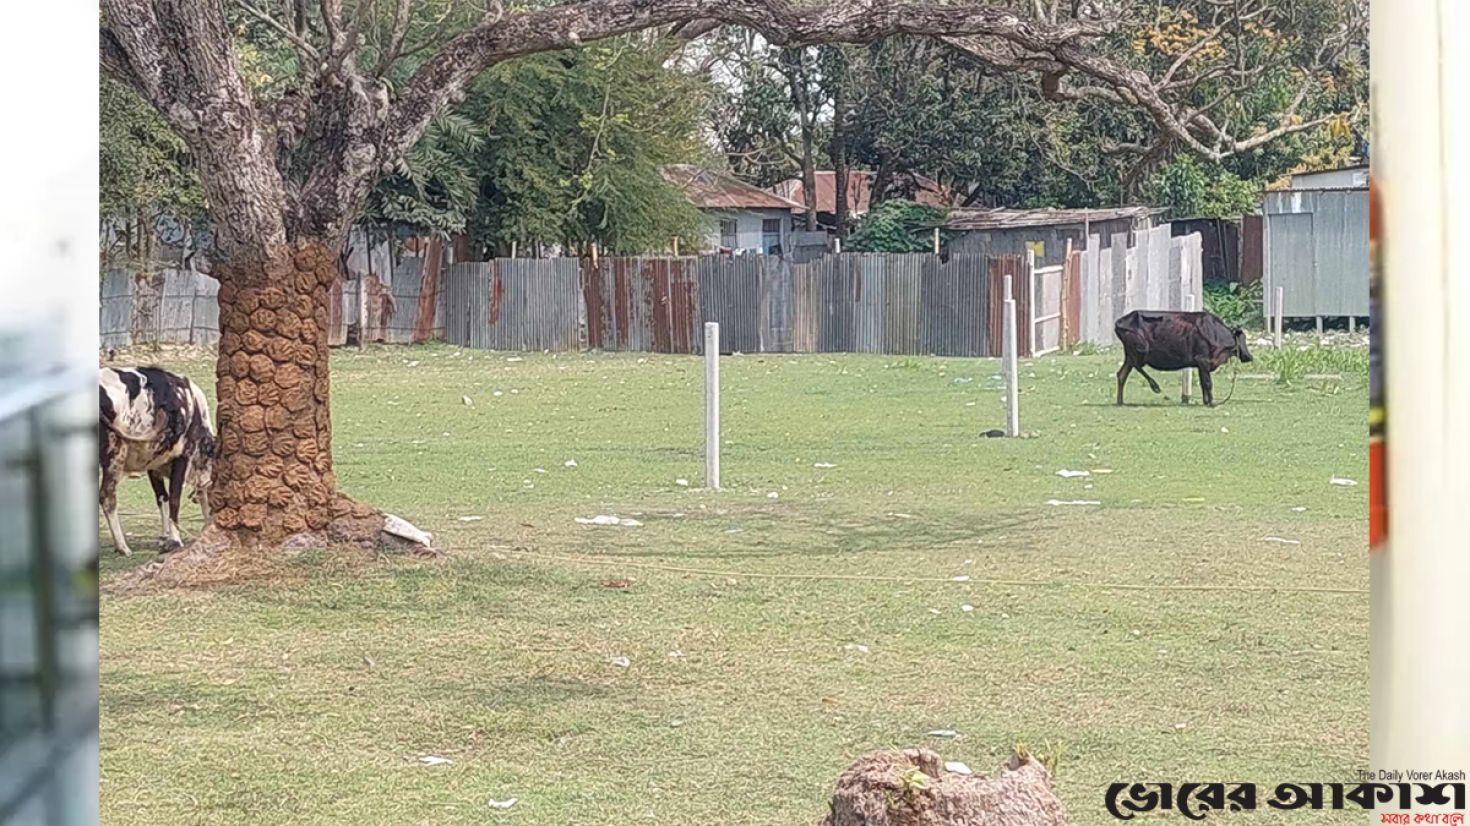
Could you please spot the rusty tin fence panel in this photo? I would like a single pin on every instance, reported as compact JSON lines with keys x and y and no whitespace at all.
{"x":736,"y":292}
{"x":642,"y":304}
{"x":512,"y":304}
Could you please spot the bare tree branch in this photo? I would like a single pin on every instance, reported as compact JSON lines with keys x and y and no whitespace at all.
{"x":401,"y":16}
{"x":296,"y":39}
{"x":332,"y":20}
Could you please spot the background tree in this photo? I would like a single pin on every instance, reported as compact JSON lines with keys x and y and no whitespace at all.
{"x":145,"y":173}
{"x":287,"y":169}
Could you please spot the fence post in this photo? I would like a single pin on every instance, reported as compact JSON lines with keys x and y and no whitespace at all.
{"x":1008,"y":361}
{"x":676,"y":246}
{"x":362,"y":311}
{"x":1279,"y":300}
{"x":1030,"y":299}
{"x":712,"y":405}
{"x":1070,"y":278}
{"x":936,"y":240}
{"x":1186,"y":380}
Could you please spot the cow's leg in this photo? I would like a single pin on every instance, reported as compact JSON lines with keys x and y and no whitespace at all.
{"x":159,"y":481}
{"x":175,"y":494}
{"x":111,"y":473}
{"x":1152,"y":385}
{"x":1207,"y":386}
{"x":1123,"y":378}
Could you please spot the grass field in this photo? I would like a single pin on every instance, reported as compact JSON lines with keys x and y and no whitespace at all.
{"x":310,"y":698}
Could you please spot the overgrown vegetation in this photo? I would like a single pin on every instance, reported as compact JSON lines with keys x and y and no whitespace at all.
{"x":896,"y":226}
{"x":1300,"y":362}
{"x":1236,"y":304}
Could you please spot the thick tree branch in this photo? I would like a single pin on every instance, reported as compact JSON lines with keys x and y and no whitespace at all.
{"x":179,"y":54}
{"x":447,"y":73}
{"x":115,"y":62}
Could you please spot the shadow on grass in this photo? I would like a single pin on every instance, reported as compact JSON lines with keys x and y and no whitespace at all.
{"x":797,"y":533}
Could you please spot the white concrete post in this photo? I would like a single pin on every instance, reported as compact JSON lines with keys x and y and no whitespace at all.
{"x":1186,"y":380}
{"x":936,"y":240}
{"x":1276,"y":311}
{"x":712,"y":405}
{"x":362,"y":311}
{"x":1008,"y":362}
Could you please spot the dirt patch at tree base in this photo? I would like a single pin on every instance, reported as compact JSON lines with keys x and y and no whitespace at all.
{"x":220,"y":557}
{"x":912,"y":788}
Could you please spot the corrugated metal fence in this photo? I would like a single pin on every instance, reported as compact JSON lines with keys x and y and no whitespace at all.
{"x":1316,"y":250}
{"x":175,"y":307}
{"x":851,"y":302}
{"x":513,"y":304}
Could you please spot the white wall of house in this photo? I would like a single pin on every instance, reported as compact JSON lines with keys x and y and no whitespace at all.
{"x":750,"y":234}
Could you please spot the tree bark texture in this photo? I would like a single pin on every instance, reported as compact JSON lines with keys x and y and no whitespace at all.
{"x":274,"y":477}
{"x":838,"y":154}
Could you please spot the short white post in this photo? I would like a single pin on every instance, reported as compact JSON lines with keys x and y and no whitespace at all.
{"x":676,"y":246}
{"x":936,"y":240}
{"x":837,"y":245}
{"x":1008,"y":362}
{"x":362,"y":311}
{"x":712,"y":405}
{"x":1276,"y":310}
{"x":1186,"y":379}
{"x":1352,"y":324}
{"x":513,"y":247}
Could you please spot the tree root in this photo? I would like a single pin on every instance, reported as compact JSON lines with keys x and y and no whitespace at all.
{"x":218,"y":556}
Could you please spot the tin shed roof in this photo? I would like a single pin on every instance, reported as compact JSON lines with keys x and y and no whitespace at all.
{"x":708,"y":189}
{"x":979,"y":219}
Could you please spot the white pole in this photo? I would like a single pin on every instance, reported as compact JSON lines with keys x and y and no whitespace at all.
{"x":1008,"y":362}
{"x":1417,"y":574}
{"x":1186,"y":380}
{"x":1276,"y":311}
{"x":712,"y":405}
{"x":837,"y":245}
{"x":936,"y":240}
{"x":362,"y":311}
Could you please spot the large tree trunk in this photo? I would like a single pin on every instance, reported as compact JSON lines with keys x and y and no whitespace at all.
{"x":274,"y":479}
{"x":838,"y":153}
{"x":809,"y":179}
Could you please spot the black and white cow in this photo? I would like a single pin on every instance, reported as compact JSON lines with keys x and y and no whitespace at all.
{"x":152,"y":421}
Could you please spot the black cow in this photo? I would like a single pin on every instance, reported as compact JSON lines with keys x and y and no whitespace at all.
{"x":152,"y":421}
{"x":1169,"y":340}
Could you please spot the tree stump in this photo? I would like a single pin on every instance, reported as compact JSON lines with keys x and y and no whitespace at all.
{"x":912,"y":788}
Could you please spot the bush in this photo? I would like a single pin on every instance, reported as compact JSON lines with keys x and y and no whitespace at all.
{"x":896,"y":226}
{"x":1236,"y":305}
